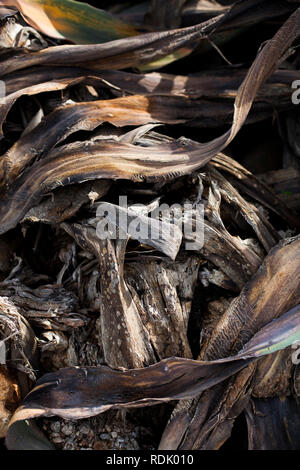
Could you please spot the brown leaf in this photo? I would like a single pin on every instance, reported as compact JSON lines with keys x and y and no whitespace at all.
{"x":95,"y":390}
{"x":257,"y":304}
{"x":191,"y":156}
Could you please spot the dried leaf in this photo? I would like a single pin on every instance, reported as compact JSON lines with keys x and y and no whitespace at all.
{"x":69,"y":19}
{"x":191,"y":156}
{"x":257,"y":304}
{"x":97,"y":389}
{"x":273,"y":424}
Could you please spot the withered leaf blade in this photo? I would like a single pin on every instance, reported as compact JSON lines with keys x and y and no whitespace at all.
{"x":271,"y":343}
{"x":132,"y":52}
{"x":118,"y":54}
{"x":190,"y":157}
{"x":126,"y":111}
{"x":83,"y":161}
{"x":76,"y":21}
{"x":211,"y":421}
{"x":125,"y":341}
{"x":27,"y":436}
{"x":133,"y":110}
{"x":232,"y":248}
{"x":264,"y":230}
{"x":161,"y":235}
{"x":163,"y":291}
{"x":251,"y":185}
{"x":82,"y":392}
{"x":217,"y":83}
{"x":63,"y":204}
{"x":273,"y":423}
{"x":8,"y":101}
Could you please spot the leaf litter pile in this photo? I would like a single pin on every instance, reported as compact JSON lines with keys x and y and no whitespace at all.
{"x":187,"y":340}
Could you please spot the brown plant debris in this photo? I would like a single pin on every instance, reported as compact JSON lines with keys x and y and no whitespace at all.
{"x":179,"y":329}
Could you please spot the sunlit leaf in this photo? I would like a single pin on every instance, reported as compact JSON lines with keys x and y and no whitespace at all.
{"x":75,"y":21}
